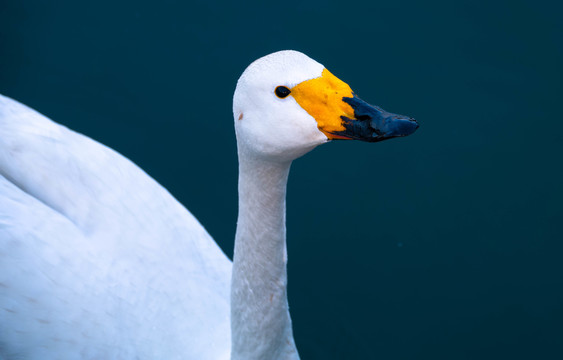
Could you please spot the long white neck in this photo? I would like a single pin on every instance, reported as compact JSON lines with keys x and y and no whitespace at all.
{"x":260,"y":321}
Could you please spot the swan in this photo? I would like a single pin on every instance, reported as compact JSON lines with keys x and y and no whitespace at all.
{"x":98,"y":261}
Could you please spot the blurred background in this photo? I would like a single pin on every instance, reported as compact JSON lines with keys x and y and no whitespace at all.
{"x":443,"y":245}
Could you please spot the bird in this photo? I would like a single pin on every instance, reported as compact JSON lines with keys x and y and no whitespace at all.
{"x":99,"y":261}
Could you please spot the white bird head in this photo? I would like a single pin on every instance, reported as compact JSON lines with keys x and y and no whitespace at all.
{"x":286,"y":103}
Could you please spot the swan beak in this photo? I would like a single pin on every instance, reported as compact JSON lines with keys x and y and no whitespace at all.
{"x":340,"y":114}
{"x":371,"y":123}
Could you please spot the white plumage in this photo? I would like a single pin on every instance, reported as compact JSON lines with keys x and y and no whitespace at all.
{"x":98,"y":261}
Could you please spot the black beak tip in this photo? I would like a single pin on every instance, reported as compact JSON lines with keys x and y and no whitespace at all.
{"x":371,"y":123}
{"x":402,"y":126}
{"x":414,"y":125}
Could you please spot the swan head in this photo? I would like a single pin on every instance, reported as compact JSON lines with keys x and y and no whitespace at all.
{"x":285,"y":104}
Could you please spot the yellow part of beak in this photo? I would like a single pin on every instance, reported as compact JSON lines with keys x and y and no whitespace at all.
{"x":322,"y":99}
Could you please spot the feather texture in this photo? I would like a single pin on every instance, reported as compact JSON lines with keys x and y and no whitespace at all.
{"x":97,"y":260}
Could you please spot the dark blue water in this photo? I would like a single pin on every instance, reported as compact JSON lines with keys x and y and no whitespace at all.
{"x":443,"y":245}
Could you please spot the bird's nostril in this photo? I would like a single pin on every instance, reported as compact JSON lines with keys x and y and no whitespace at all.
{"x":362,"y":117}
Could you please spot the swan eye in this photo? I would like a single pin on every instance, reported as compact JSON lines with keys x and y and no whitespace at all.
{"x":282,"y":92}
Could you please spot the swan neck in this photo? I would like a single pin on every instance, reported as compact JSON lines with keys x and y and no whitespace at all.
{"x":260,"y":320}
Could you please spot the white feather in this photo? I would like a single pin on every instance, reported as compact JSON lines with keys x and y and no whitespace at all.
{"x":98,"y":261}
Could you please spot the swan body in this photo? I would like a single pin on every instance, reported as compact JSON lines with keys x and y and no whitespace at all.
{"x":98,"y":261}
{"x":93,"y":252}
